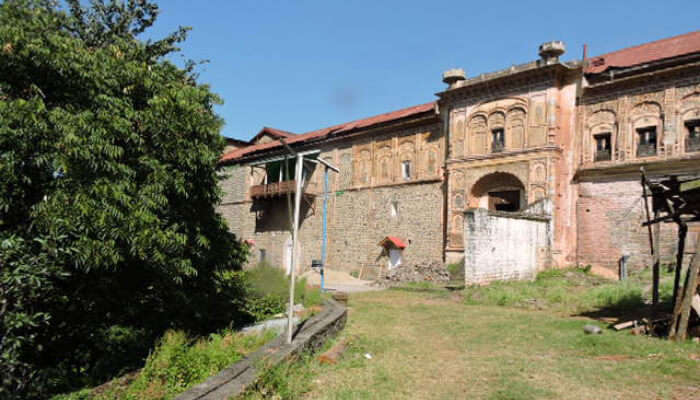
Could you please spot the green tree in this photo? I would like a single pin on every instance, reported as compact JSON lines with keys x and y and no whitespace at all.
{"x":108,"y":189}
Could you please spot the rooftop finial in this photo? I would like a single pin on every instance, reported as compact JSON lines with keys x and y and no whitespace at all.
{"x":452,"y":76}
{"x":550,"y":51}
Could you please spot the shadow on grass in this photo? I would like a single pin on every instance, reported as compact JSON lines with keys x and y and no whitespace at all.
{"x":629,"y":308}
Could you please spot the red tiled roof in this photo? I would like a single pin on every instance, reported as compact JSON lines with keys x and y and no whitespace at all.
{"x":336,"y":129}
{"x":278,"y":133}
{"x":393,"y":240}
{"x":661,"y":49}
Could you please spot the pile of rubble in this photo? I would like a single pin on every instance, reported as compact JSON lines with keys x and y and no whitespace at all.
{"x":426,"y":272}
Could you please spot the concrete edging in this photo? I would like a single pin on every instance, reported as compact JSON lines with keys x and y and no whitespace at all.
{"x":234,"y":380}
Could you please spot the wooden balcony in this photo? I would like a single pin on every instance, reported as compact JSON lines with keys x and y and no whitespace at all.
{"x":277,"y":189}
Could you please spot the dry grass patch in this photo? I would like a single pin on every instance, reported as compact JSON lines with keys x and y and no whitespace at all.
{"x":425,"y":345}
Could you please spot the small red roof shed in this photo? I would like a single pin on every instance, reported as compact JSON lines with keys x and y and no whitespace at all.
{"x":392,"y":241}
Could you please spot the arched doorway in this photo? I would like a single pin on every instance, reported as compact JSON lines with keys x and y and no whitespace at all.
{"x":498,"y":191}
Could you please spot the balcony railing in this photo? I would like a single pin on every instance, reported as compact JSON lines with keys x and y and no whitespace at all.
{"x":277,"y":189}
{"x":602,"y":155}
{"x":646,"y":150}
{"x":692,"y":143}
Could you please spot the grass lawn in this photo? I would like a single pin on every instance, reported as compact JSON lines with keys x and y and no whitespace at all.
{"x":505,"y":341}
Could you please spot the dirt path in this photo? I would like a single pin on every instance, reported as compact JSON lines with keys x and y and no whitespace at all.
{"x":339,"y":281}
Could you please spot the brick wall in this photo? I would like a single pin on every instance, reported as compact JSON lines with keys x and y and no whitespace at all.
{"x":610,"y":214}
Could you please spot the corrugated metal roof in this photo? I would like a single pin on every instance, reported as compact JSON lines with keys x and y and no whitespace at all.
{"x":336,"y":129}
{"x":653,"y":51}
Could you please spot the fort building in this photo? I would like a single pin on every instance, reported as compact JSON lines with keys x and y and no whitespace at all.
{"x":547,"y":148}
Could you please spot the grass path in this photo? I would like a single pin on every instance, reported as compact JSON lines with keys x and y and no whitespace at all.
{"x":431,"y":345}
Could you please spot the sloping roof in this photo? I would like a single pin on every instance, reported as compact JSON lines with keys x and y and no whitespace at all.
{"x":687,"y":43}
{"x":234,"y":141}
{"x":393,"y":241}
{"x":276,"y":133}
{"x":336,"y":129}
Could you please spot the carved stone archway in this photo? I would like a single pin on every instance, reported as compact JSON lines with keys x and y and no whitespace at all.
{"x":499,"y":191}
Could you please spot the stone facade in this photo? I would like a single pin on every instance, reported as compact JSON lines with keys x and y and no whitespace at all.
{"x":573,"y":134}
{"x":368,"y":200}
{"x":533,"y":110}
{"x":609,"y":207}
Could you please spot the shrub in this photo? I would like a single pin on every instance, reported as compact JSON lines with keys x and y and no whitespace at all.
{"x":108,"y":194}
{"x":267,"y":291}
{"x":456,"y":270}
{"x":178,"y":363}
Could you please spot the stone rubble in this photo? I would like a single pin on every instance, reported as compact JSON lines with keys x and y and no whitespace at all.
{"x":435,"y":272}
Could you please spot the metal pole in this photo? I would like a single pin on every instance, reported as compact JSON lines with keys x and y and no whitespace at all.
{"x":295,"y":232}
{"x":324,"y":243}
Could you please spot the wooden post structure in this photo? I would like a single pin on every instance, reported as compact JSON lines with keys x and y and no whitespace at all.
{"x":656,"y":254}
{"x":682,"y":232}
{"x":653,"y":242}
{"x":681,"y":311}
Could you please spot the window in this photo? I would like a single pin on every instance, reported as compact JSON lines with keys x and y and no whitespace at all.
{"x":498,"y":142}
{"x":406,"y":170}
{"x":692,"y":141}
{"x":602,"y":147}
{"x":263,"y":255}
{"x":647,"y":141}
{"x":506,"y":200}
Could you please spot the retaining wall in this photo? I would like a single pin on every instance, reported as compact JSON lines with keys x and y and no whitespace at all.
{"x":234,"y":380}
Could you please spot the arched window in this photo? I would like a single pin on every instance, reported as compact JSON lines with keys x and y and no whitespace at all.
{"x":646,"y":128}
{"x":406,"y":157}
{"x":602,"y":140}
{"x":497,"y":122}
{"x":515,"y":133}
{"x":478,"y":142}
{"x":692,"y":136}
{"x":690,"y":114}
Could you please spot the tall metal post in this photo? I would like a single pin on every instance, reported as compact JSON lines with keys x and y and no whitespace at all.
{"x":324,"y":243}
{"x":295,"y":232}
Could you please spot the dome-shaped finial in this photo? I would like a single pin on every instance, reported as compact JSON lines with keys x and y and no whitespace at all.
{"x":452,"y":76}
{"x":550,"y":51}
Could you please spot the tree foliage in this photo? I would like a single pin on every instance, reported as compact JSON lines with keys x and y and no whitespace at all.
{"x":108,"y":189}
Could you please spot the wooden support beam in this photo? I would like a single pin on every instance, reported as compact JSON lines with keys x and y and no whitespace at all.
{"x":682,"y":232}
{"x":652,"y":247}
{"x":681,"y":313}
{"x":656,"y":254}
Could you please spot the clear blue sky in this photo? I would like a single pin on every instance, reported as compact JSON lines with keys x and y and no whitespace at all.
{"x":304,"y":65}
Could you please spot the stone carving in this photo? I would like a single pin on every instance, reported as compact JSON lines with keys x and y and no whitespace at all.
{"x":457,"y":180}
{"x":497,"y":120}
{"x":646,"y":108}
{"x":477,"y":133}
{"x":538,"y":192}
{"x":601,"y":117}
{"x":538,"y":172}
{"x":346,"y":170}
{"x":515,"y":132}
{"x":431,"y":166}
{"x":458,"y":201}
{"x":362,"y":166}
